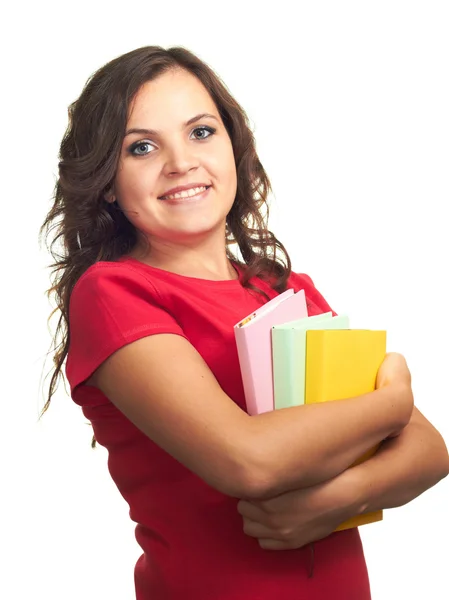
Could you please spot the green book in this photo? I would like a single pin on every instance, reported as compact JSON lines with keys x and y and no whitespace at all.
{"x":289,"y":356}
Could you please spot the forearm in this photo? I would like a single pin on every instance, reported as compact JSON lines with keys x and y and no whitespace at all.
{"x":403,"y":468}
{"x":305,"y":445}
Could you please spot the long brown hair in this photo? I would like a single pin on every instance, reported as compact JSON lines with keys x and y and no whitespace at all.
{"x":81,"y":228}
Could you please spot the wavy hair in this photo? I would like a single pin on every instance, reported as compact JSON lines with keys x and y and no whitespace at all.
{"x":81,"y":228}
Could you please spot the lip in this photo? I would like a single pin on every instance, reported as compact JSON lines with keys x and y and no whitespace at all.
{"x":188,"y":201}
{"x":182,"y":188}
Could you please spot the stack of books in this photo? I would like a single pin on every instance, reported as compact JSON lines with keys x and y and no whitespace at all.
{"x":288,"y":359}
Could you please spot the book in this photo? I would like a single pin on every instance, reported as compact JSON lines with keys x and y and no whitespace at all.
{"x":344,"y":364}
{"x":289,"y":356}
{"x":253,"y":340}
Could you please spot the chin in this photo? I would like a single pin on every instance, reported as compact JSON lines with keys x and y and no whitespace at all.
{"x":194,"y":230}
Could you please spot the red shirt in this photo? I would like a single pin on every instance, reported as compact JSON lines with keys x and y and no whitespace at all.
{"x":191,"y":535}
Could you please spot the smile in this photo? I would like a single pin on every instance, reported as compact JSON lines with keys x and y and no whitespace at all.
{"x":186,"y":193}
{"x":187,"y":196}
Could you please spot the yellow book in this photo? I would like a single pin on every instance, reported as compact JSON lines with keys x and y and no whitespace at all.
{"x":344,"y":364}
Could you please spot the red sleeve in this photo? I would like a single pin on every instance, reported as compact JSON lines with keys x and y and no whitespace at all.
{"x":111,"y":305}
{"x":316,"y":302}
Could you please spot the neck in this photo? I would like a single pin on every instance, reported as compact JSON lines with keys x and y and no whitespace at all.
{"x":188,"y":262}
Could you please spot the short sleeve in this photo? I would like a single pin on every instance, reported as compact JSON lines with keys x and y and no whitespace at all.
{"x":111,"y":305}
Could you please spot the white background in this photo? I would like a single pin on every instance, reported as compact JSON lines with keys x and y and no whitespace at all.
{"x":349,"y":103}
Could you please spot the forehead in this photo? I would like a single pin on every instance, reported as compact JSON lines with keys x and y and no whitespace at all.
{"x":173,"y":96}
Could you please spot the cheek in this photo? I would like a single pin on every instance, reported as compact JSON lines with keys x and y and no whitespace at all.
{"x":231,"y":177}
{"x":134,"y":181}
{"x":222,"y":167}
{"x":230,"y":165}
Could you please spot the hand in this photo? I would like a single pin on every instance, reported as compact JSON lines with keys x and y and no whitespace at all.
{"x":297,"y":518}
{"x":394,"y":371}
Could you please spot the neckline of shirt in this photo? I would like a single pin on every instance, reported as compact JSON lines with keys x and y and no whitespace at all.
{"x":212,"y":282}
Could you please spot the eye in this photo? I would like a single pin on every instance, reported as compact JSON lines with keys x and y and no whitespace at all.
{"x":138,"y":146}
{"x":209,"y":130}
{"x":141,"y":144}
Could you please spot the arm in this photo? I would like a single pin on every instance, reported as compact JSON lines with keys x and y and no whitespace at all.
{"x":162,"y":384}
{"x":403,"y":468}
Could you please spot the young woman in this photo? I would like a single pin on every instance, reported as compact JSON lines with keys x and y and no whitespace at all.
{"x":158,"y":178}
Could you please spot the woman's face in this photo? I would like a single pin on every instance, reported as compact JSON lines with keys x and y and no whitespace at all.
{"x":175,"y":154}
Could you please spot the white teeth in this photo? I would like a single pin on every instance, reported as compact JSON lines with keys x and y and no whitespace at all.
{"x":185,"y":193}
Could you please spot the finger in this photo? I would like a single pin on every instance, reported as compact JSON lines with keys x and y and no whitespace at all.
{"x":280,"y":503}
{"x":257,"y":530}
{"x":272,"y":544}
{"x":250,"y":511}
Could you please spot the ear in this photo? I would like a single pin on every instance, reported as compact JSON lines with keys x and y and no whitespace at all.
{"x":110,"y":197}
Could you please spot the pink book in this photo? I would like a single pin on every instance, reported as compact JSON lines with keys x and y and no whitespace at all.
{"x":253,"y":339}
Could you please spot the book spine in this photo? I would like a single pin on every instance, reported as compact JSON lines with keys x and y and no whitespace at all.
{"x":282,"y":348}
{"x":248,"y":377}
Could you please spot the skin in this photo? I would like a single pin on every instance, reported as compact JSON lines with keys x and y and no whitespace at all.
{"x":194,"y":415}
{"x":407,"y":464}
{"x":187,"y":239}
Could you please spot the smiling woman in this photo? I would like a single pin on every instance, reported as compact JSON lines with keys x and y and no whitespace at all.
{"x":189,"y":157}
{"x":158,"y":180}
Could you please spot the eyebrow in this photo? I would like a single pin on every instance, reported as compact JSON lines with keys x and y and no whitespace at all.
{"x":156,"y":132}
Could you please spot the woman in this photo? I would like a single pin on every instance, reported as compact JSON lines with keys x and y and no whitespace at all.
{"x":158,"y":178}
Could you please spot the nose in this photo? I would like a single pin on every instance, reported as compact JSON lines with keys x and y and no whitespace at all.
{"x":180,"y":158}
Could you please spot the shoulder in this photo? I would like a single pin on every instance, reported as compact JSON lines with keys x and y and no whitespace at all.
{"x":300,"y":281}
{"x":111,"y":277}
{"x":112,"y":304}
{"x":114,"y":285}
{"x":118,"y":291}
{"x":315,"y":300}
